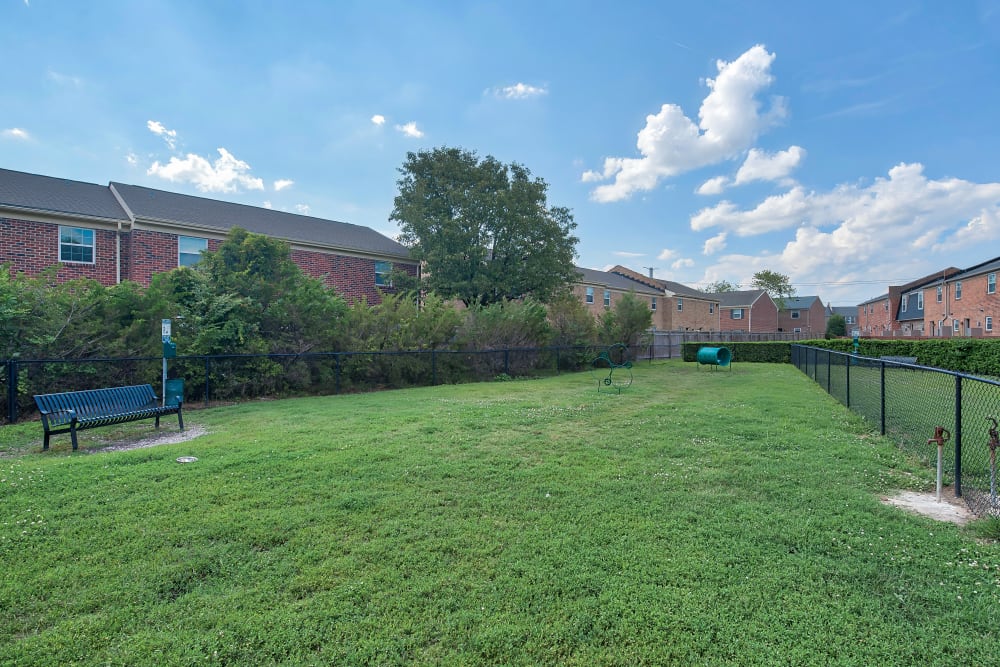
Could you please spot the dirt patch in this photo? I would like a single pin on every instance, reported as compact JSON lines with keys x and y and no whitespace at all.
{"x":949,"y":509}
{"x":165,"y":438}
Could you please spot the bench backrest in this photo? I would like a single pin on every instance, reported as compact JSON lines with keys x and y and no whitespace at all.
{"x":94,"y":402}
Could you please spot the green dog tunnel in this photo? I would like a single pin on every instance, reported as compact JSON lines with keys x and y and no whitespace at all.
{"x":714,"y":356}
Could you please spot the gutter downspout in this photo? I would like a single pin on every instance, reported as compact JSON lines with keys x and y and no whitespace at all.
{"x":118,"y":254}
{"x":118,"y":239}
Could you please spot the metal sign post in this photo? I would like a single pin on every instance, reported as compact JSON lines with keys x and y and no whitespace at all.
{"x":165,"y":333}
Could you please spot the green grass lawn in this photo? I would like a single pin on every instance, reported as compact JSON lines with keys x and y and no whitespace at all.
{"x":699,"y":518}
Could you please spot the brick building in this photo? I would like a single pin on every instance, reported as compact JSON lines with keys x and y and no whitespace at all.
{"x":802,"y":314}
{"x":748,"y":311}
{"x":683,"y":308}
{"x":127,"y":232}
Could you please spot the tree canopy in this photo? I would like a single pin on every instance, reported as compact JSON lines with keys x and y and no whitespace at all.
{"x":483,"y":229}
{"x":778,"y":285}
{"x":720,"y":286}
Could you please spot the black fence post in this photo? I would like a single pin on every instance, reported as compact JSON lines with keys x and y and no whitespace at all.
{"x":958,"y":436}
{"x":847,"y":371}
{"x":206,"y":381}
{"x":506,"y":361}
{"x":882,"y":393}
{"x":829,"y":369}
{"x":336,"y":373}
{"x":434,"y":366}
{"x":557,"y":359}
{"x":11,"y":391}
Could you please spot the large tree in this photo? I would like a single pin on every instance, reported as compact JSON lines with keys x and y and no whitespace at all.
{"x":778,"y":285}
{"x":483,"y":229}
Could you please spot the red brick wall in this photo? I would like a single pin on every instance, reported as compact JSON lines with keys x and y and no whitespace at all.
{"x":149,"y":253}
{"x":352,"y":277}
{"x":30,"y":247}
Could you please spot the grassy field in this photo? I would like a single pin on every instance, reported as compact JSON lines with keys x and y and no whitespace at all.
{"x":699,"y":518}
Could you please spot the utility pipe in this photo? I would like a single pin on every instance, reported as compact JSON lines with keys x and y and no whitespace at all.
{"x":940,"y":437}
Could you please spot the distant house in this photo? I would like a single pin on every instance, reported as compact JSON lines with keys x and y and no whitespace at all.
{"x":849,"y":313}
{"x":127,"y":232}
{"x":802,"y":314}
{"x":964,"y":303}
{"x":749,"y":311}
{"x":684,"y":308}
{"x":600,"y":291}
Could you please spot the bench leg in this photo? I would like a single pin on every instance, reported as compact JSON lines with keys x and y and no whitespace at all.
{"x":180,"y":418}
{"x":157,"y":421}
{"x":45,"y":445}
{"x":72,"y":435}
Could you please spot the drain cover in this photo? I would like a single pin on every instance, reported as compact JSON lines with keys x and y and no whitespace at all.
{"x":187,"y":459}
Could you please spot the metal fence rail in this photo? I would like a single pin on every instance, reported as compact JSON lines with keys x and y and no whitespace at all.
{"x":908,"y":401}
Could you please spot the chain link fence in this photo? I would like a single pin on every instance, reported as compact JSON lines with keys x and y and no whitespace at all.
{"x":908,"y":401}
{"x":220,"y":379}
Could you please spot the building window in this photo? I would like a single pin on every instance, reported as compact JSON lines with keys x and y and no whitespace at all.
{"x":590,"y":295}
{"x":737,"y":313}
{"x":920,"y":300}
{"x":652,"y":303}
{"x":958,"y":290}
{"x":989,"y":323}
{"x":885,"y":306}
{"x":711,"y":308}
{"x":76,"y":245}
{"x":940,"y":290}
{"x":797,"y":330}
{"x":903,"y":305}
{"x":795,"y":314}
{"x":991,"y":283}
{"x":382,"y":271}
{"x":955,"y":326}
{"x":680,"y":304}
{"x":189,"y":249}
{"x":607,"y":298}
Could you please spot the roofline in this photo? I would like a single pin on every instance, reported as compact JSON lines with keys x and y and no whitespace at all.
{"x":53,"y":213}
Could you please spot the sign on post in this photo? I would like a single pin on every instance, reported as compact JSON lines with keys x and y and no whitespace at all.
{"x":165,"y":330}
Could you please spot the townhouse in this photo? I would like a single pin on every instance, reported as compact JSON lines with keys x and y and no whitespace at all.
{"x":748,"y":311}
{"x":126,"y":232}
{"x":684,"y":308}
{"x":802,"y":314}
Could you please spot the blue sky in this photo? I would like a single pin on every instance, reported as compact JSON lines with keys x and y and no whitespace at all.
{"x":849,"y":145}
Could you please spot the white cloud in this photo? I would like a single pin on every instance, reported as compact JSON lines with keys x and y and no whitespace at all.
{"x":16,"y":133}
{"x":683,"y":263}
{"x":282,"y":183}
{"x":267,"y":203}
{"x":730,"y":120}
{"x":378,"y":119}
{"x":882,"y":233}
{"x":713,"y":186}
{"x":763,"y":166}
{"x":666,"y":254}
{"x":715,"y":244}
{"x":226,"y":174}
{"x":303,"y":208}
{"x":157,"y":128}
{"x":622,"y":253}
{"x":64,"y":79}
{"x":132,"y":159}
{"x":519,"y":91}
{"x":410,"y":129}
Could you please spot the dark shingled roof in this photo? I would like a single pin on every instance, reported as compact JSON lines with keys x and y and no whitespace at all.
{"x":45,"y":194}
{"x":742,"y":299}
{"x":614,"y":281}
{"x":152,"y":205}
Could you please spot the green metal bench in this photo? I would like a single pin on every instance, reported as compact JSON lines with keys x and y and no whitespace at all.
{"x":74,"y":411}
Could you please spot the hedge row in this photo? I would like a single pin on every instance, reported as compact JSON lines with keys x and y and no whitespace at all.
{"x":975,"y":356}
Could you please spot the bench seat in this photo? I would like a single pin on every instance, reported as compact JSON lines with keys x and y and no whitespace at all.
{"x":72,"y":411}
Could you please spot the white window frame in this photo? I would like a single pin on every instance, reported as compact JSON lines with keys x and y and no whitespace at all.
{"x":940,"y":291}
{"x":680,"y":304}
{"x":607,"y":298}
{"x":989,"y":323}
{"x":920,"y":300}
{"x":652,"y":303}
{"x":903,"y":303}
{"x":958,"y":290}
{"x":182,"y":251}
{"x":795,"y":314}
{"x":991,"y":283}
{"x":589,"y":295}
{"x":79,"y":237}
{"x":956,"y":326}
{"x":736,"y":314}
{"x":383,"y":270}
{"x":797,"y":330}
{"x":711,"y":308}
